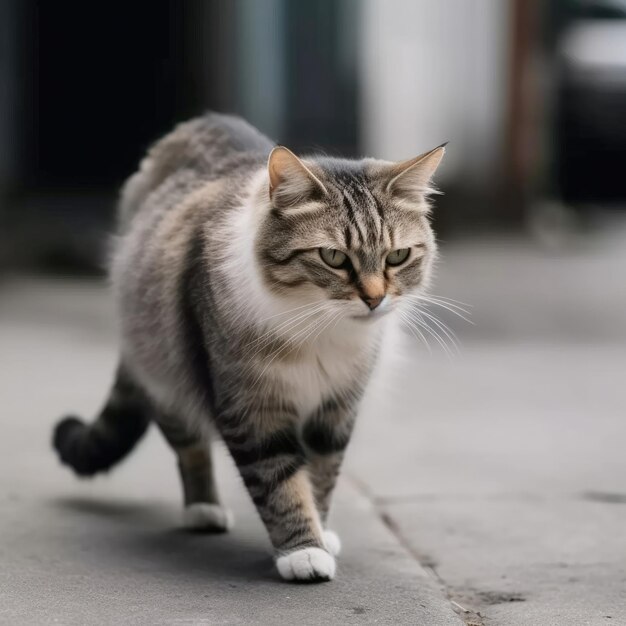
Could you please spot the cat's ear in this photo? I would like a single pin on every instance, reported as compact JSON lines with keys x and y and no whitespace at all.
{"x":291,"y":181}
{"x":412,"y":179}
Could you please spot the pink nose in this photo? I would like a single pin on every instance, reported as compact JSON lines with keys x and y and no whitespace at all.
{"x":372,"y":302}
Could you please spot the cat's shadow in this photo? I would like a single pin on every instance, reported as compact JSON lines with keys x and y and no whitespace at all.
{"x":149,"y":533}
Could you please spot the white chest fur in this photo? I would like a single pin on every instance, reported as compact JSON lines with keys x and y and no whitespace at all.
{"x":331,"y":367}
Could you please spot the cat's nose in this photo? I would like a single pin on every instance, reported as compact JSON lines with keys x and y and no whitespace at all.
{"x":372,"y":301}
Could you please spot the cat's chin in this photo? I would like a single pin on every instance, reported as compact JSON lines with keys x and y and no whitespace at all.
{"x":372,"y":316}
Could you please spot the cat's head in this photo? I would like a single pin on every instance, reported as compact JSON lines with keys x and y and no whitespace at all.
{"x":355,"y":234}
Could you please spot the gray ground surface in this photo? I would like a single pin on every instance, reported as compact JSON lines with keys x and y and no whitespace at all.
{"x":501,"y":472}
{"x":109,"y":550}
{"x":508,"y":471}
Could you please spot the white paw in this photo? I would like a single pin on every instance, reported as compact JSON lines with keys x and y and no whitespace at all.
{"x":332,"y":542}
{"x":208,"y":517}
{"x":306,"y":564}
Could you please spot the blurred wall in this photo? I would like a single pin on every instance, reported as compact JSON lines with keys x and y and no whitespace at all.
{"x":290,"y":68}
{"x":262,"y":64}
{"x":433,"y":71}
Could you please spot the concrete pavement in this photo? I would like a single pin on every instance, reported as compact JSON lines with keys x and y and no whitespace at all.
{"x":508,"y":475}
{"x":493,"y":483}
{"x":110,"y":550}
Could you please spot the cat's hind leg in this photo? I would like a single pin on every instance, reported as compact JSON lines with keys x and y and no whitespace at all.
{"x":203,"y":511}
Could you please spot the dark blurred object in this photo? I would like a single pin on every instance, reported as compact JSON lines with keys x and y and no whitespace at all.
{"x":591,"y":104}
{"x":93,"y":86}
{"x":88,"y":86}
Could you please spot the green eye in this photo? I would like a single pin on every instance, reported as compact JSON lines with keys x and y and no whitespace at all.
{"x":397,"y":257}
{"x":334,"y":258}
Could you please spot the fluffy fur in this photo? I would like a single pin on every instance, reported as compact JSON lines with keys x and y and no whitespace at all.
{"x":232,"y":320}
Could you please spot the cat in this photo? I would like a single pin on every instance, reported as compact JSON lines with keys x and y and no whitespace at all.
{"x":253,"y":289}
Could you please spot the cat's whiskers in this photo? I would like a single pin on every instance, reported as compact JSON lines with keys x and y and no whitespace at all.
{"x":436,"y":301}
{"x":419,"y":316}
{"x":414,"y":329}
{"x":291,"y":338}
{"x":312,"y":308}
{"x":284,"y":327}
{"x":294,"y":339}
{"x":446,"y":330}
{"x":450,"y":300}
{"x":302,"y":306}
{"x":285,"y":338}
{"x":415,"y":315}
{"x":432,"y":332}
{"x":335,"y":319}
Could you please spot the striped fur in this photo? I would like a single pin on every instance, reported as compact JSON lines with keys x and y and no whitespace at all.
{"x":231,"y":321}
{"x":94,"y":448}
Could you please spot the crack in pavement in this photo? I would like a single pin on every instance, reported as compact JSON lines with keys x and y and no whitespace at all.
{"x":469,"y":617}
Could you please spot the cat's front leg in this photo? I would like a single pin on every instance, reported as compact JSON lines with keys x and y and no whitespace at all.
{"x":272,"y":462}
{"x":323,"y":470}
{"x":325,"y":435}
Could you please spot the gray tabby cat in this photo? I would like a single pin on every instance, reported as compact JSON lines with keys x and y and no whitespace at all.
{"x":252,"y":289}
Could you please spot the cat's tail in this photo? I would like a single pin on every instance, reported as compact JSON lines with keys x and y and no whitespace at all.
{"x":96,"y":447}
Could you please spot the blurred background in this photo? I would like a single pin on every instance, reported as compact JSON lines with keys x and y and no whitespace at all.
{"x":531,"y":94}
{"x":504,"y":466}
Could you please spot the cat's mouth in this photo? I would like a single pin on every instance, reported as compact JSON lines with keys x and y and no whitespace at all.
{"x":381,"y":309}
{"x":372,"y":316}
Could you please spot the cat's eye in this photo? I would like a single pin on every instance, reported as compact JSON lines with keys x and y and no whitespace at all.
{"x":334,"y":258}
{"x":397,"y":257}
